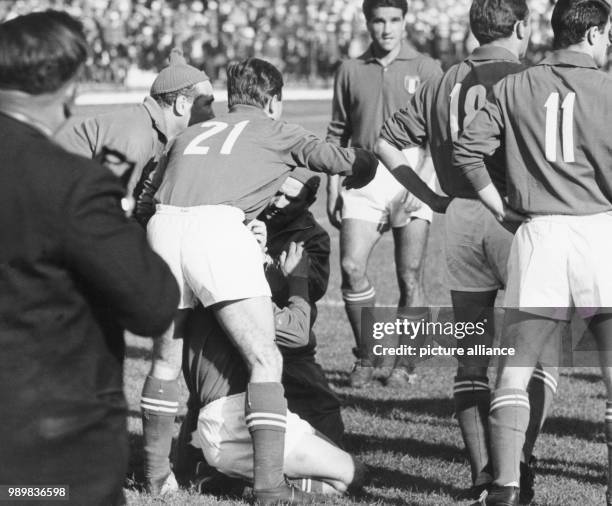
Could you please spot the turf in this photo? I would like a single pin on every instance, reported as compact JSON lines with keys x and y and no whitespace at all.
{"x":410,"y":436}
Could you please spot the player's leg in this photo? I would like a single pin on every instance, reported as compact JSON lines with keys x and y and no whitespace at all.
{"x":410,"y":242}
{"x":160,"y":393}
{"x":249,"y":323}
{"x":471,"y":390}
{"x":601,"y":327}
{"x":357,"y":239}
{"x":528,"y":335}
{"x":313,"y":457}
{"x":159,"y":404}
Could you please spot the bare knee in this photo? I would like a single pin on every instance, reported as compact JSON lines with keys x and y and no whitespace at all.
{"x":353,"y":272}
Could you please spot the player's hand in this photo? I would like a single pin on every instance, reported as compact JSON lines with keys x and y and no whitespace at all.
{"x":334,"y":210}
{"x":364,"y":174}
{"x":441,"y":204}
{"x":259,"y":230}
{"x":294,"y":261}
{"x":511,"y":220}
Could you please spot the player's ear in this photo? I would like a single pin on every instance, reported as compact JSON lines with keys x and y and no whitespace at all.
{"x":521,"y":28}
{"x":180,"y":105}
{"x":592,"y":35}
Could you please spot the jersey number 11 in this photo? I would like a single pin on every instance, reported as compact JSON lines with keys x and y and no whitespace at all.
{"x":567,"y":127}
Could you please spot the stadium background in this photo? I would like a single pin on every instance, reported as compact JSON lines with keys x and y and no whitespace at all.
{"x":305,"y":38}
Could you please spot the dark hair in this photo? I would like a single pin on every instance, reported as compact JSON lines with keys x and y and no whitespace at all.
{"x":253,"y":82}
{"x":495,"y":19}
{"x":572,"y":18}
{"x":41,"y":51}
{"x":369,"y":6}
{"x":168,"y":99}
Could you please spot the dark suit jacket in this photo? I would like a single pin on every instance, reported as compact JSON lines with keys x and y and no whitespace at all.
{"x":73,"y":274}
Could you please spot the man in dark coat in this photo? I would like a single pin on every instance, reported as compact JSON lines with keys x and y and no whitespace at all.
{"x":74,"y":273}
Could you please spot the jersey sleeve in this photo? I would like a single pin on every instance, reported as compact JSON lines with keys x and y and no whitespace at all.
{"x":339,"y":129}
{"x":407,"y":127}
{"x":479,"y":139}
{"x":80,"y":138}
{"x":292,"y":321}
{"x":299,"y":147}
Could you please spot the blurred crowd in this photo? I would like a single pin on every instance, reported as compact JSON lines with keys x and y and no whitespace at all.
{"x":305,"y":38}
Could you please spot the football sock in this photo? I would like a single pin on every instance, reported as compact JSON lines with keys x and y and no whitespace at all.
{"x":608,"y":427}
{"x":159,"y":403}
{"x":266,"y":418}
{"x":353,"y":303}
{"x":542,"y":389}
{"x":311,"y":486}
{"x":472,"y":398}
{"x":508,"y":420}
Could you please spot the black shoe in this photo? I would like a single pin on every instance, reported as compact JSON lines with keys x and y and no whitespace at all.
{"x":500,"y":496}
{"x":286,"y":494}
{"x":474,"y":493}
{"x":527,"y":480}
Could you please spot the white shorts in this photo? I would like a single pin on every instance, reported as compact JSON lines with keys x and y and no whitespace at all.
{"x":384,"y":200}
{"x":476,"y":247}
{"x":212,"y":255}
{"x":224,"y":438}
{"x":558,"y":263}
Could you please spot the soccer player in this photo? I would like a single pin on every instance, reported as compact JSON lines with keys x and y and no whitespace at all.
{"x":134,"y":138}
{"x":218,"y":175}
{"x":476,"y":245}
{"x":367,"y":91}
{"x":288,"y":221}
{"x":73,"y":274}
{"x":180,"y":95}
{"x":551,"y":123}
{"x":216,"y":376}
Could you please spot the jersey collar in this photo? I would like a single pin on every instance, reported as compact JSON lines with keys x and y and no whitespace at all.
{"x":405,"y":53}
{"x":568,"y":58}
{"x":491,"y":52}
{"x":251,"y":110}
{"x":157,"y":115}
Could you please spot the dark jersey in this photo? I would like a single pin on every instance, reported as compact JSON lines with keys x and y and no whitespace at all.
{"x":553,"y":121}
{"x":440,"y":111}
{"x":366,"y":93}
{"x":241,"y":159}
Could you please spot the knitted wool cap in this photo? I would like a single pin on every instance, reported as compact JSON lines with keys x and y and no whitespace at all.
{"x":307,"y":178}
{"x":177,"y":75}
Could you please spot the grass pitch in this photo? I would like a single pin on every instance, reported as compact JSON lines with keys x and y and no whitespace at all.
{"x":409,"y":436}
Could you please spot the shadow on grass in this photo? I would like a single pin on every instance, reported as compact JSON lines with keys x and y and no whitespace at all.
{"x":357,"y":443}
{"x":582,"y":376}
{"x":391,"y":478}
{"x":574,"y":427}
{"x":566,"y":469}
{"x":441,"y":407}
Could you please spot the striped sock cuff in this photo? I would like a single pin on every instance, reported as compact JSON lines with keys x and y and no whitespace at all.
{"x":608,"y":412}
{"x":266,"y":407}
{"x":467,"y":385}
{"x":547,"y":378}
{"x":264,"y":420}
{"x":359,"y":298}
{"x":509,"y":397}
{"x":160,"y":396}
